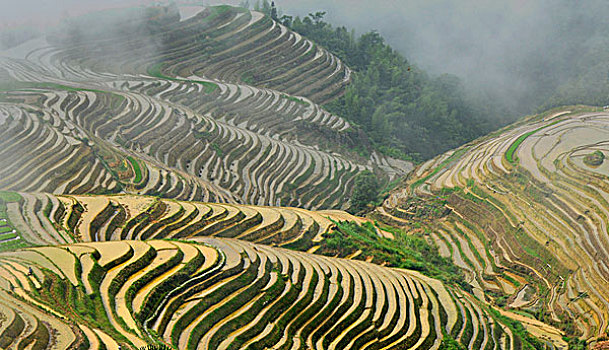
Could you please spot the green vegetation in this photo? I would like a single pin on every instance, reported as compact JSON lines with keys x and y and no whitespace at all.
{"x":407,"y":251}
{"x":296,"y":100}
{"x":217,"y":148}
{"x":407,"y":113}
{"x":156,"y":347}
{"x":136,"y":169}
{"x":528,"y":341}
{"x":9,"y":197}
{"x":156,"y":71}
{"x":8,"y":239}
{"x":595,"y":158}
{"x":365,"y":191}
{"x":449,"y":343}
{"x":509,"y":155}
{"x":576,"y":343}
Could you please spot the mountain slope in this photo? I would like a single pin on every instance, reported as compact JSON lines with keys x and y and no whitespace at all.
{"x":524,"y":212}
{"x":187,"y":137}
{"x":215,"y":117}
{"x":223,"y":293}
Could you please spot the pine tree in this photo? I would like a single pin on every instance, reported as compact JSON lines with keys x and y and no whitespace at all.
{"x":273,"y":11}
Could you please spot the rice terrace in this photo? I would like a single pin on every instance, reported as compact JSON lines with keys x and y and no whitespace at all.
{"x":230,"y":177}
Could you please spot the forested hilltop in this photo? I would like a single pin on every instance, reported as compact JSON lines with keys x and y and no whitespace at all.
{"x":406,"y":112}
{"x":411,"y":114}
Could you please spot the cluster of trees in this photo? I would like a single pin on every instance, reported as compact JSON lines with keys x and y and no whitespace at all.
{"x":413,"y":115}
{"x":407,"y":113}
{"x":365,"y":191}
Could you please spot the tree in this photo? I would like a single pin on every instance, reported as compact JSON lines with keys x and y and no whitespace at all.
{"x":286,"y":20}
{"x":406,"y":113}
{"x":318,"y":17}
{"x":273,"y":11}
{"x":365,"y":190}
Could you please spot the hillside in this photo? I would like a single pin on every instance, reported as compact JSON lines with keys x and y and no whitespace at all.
{"x":225,"y":293}
{"x":173,"y":175}
{"x":224,"y":138}
{"x":523,"y":211}
{"x":43,"y":219}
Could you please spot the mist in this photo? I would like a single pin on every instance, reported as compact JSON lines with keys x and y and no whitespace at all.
{"x":517,"y":52}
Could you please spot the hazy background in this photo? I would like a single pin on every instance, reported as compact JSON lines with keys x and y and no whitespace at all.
{"x":517,"y":51}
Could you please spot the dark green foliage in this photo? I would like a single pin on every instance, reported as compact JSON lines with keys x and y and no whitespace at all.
{"x":273,"y":11}
{"x":406,"y":113}
{"x":365,"y":190}
{"x":11,"y":332}
{"x":576,"y":343}
{"x":136,"y":169}
{"x":75,"y":214}
{"x":594,"y":159}
{"x":408,"y":251}
{"x":449,"y":343}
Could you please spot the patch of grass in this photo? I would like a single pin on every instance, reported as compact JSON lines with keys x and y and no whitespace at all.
{"x":408,"y":251}
{"x":6,"y":236}
{"x":156,"y":71}
{"x":449,"y":343}
{"x":12,"y":245}
{"x":296,"y":100}
{"x":247,"y":78}
{"x":9,"y":197}
{"x":136,"y":169}
{"x":509,"y":155}
{"x":217,"y":148}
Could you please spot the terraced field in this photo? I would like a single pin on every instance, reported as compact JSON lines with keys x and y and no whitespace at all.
{"x":220,"y":293}
{"x":168,"y":183}
{"x":209,"y":288}
{"x":43,"y":219}
{"x":223,"y":43}
{"x":182,"y":129}
{"x":524,"y":212}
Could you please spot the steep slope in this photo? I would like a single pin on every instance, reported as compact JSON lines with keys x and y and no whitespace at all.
{"x":224,"y":43}
{"x":524,"y":211}
{"x":43,"y":219}
{"x":221,"y":293}
{"x":189,"y":138}
{"x":216,"y":116}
